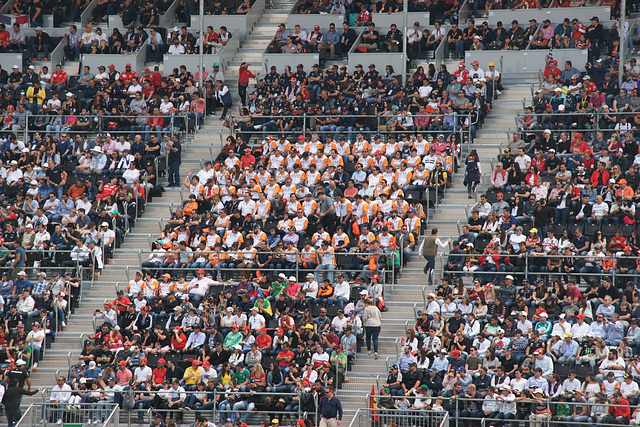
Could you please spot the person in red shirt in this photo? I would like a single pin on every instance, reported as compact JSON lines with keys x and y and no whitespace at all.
{"x":243,"y":81}
{"x":588,"y":162}
{"x":178,"y":339}
{"x":284,"y":358}
{"x":579,"y":142}
{"x":159,"y":374}
{"x":156,"y":121}
{"x":156,"y":77}
{"x":247,"y":159}
{"x":264,"y":341}
{"x":4,"y":36}
{"x":59,"y":79}
{"x":619,"y":411}
{"x":108,"y":189}
{"x":462,"y":75}
{"x":127,"y":75}
{"x":552,"y":68}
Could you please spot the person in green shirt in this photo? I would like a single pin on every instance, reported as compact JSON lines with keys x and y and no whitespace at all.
{"x":243,"y":376}
{"x":340,"y":358}
{"x":234,"y":337}
{"x":544,"y":326}
{"x":276,"y":287}
{"x":24,"y":352}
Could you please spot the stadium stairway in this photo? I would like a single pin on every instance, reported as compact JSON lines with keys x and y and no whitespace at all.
{"x":255,"y":43}
{"x":123,"y":265}
{"x":402,"y":299}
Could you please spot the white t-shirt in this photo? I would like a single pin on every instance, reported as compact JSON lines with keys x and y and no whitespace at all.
{"x":143,"y":374}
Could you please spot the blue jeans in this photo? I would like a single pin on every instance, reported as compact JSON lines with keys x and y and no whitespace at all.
{"x":243,"y":406}
{"x":174,"y":173}
{"x":568,"y":359}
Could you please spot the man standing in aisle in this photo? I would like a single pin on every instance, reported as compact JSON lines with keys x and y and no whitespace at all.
{"x":174,"y":148}
{"x":429,"y":250}
{"x":330,"y":409}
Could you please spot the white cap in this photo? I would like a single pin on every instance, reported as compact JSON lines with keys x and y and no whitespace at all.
{"x":292,"y":278}
{"x":510,"y":277}
{"x":31,"y":67}
{"x":15,"y":66}
{"x":230,"y":309}
{"x":506,"y":387}
{"x":363,"y":292}
{"x":104,"y":224}
{"x":20,"y":362}
{"x":544,"y":314}
{"x":22,"y":273}
{"x":43,"y":274}
{"x":282,"y":276}
{"x":92,"y":365}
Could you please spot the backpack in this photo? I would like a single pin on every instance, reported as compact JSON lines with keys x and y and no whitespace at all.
{"x":128,"y":401}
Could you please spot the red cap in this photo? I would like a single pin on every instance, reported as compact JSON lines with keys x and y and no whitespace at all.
{"x":112,"y":66}
{"x":538,"y":351}
{"x":461,"y":64}
{"x":555,"y":62}
{"x":108,"y":304}
{"x":301,"y":137}
{"x":580,"y":316}
{"x":235,"y":325}
{"x":177,"y":328}
{"x":280,"y":331}
{"x":127,"y":342}
{"x":262,"y":330}
{"x":127,"y":65}
{"x":122,"y":363}
{"x":247,"y":150}
{"x":196,"y":362}
{"x":143,"y":359}
{"x":317,"y":27}
{"x":578,"y":135}
{"x":201,"y":271}
{"x":243,"y":425}
{"x":378,"y":152}
{"x":455,"y":353}
{"x":475,"y":63}
{"x":11,"y":360}
{"x":500,"y":194}
{"x":206,"y":364}
{"x":246,"y":328}
{"x":627,"y":248}
{"x":161,"y":360}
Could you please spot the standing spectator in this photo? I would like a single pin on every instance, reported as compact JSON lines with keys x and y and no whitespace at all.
{"x":372,"y":321}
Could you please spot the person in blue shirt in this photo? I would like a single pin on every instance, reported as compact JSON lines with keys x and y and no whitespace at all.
{"x":569,"y":350}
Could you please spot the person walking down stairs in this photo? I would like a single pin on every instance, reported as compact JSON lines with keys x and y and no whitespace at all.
{"x":429,"y":250}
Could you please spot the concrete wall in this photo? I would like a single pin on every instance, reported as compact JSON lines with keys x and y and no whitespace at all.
{"x":242,"y":23}
{"x":280,"y":60}
{"x":8,"y":60}
{"x":192,"y":62}
{"x":119,"y":60}
{"x":380,"y":59}
{"x":583,"y":14}
{"x":384,"y":20}
{"x":307,"y":21}
{"x":518,"y":61}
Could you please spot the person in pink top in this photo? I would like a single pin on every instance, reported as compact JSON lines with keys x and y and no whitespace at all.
{"x":293,"y":287}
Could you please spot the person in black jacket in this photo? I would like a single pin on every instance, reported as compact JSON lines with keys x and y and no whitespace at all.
{"x":11,"y":400}
{"x":41,"y":43}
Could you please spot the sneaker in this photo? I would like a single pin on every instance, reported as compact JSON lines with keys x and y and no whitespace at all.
{"x":35,"y":365}
{"x":375,"y":355}
{"x":59,"y":422}
{"x":64,"y":323}
{"x":45,"y":59}
{"x":498,"y":92}
{"x":368,"y":351}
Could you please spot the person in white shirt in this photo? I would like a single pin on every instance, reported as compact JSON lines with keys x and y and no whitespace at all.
{"x":143,"y":372}
{"x":176,"y":48}
{"x":629,"y":389}
{"x":523,"y":324}
{"x":341,"y":291}
{"x":310,"y":287}
{"x":580,"y":329}
{"x":35,"y":338}
{"x":60,"y":393}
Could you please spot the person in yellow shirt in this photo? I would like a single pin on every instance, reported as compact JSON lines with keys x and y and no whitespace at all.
{"x":191,"y":375}
{"x":36,"y":96}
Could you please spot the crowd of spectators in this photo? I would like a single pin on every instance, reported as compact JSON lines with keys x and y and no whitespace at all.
{"x":218,"y":349}
{"x":160,"y":41}
{"x":500,"y":353}
{"x":329,"y":102}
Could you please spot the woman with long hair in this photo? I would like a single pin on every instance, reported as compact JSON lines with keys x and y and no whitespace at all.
{"x":472,"y":172}
{"x":372,"y":322}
